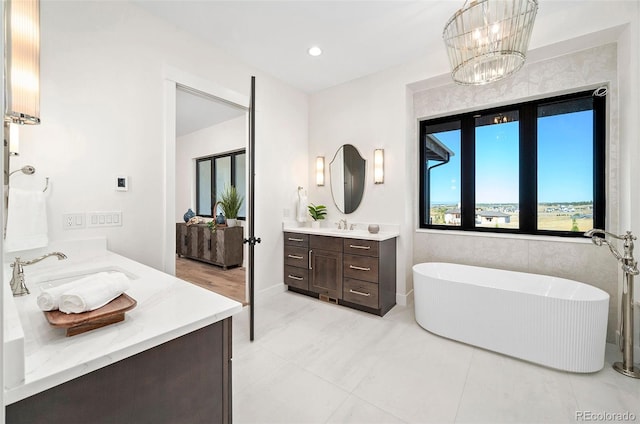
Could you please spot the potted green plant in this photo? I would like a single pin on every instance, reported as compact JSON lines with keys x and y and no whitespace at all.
{"x":230,"y":203}
{"x":317,"y":213}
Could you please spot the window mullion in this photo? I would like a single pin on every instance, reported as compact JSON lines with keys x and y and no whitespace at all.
{"x":599,"y":165}
{"x":528,"y":168}
{"x":468,"y":173}
{"x":214,"y":188}
{"x":232,"y":177}
{"x":424,"y":184}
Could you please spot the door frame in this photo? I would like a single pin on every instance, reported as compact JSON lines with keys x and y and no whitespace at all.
{"x":173,"y":77}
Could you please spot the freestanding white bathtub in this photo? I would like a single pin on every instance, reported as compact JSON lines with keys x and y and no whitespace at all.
{"x":550,"y":321}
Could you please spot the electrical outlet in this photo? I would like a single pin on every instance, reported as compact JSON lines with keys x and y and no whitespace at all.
{"x":73,"y":221}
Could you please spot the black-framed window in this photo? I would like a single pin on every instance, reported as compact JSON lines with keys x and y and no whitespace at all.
{"x":534,"y":168}
{"x":214,"y":174}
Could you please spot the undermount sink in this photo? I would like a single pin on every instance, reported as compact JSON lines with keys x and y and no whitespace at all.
{"x":69,"y":276}
{"x":22,"y":312}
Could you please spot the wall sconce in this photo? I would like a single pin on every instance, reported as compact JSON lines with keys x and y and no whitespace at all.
{"x":22,"y":61}
{"x":378,"y":166}
{"x":22,"y":71}
{"x":320,"y":170}
{"x":14,"y":139}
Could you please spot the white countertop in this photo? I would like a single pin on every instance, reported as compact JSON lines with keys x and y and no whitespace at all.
{"x":385,"y":233}
{"x":167,"y":308}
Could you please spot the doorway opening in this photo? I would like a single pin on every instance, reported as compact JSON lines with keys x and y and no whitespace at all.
{"x":210,"y":157}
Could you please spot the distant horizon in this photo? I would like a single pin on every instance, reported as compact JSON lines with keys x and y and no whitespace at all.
{"x":566,"y":202}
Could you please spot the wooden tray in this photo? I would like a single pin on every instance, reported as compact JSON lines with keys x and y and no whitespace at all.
{"x":110,"y":313}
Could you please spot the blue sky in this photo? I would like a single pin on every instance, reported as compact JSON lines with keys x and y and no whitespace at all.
{"x":565,"y":159}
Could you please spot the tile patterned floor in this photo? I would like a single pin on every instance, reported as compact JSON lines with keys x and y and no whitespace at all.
{"x":314,"y":362}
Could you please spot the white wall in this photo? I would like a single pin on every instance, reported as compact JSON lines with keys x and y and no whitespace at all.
{"x":377,"y":111}
{"x":224,"y":137}
{"x":103,"y":111}
{"x":1,"y":238}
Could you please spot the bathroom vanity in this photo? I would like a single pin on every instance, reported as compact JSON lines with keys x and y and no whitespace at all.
{"x":168,"y":361}
{"x":351,"y":268}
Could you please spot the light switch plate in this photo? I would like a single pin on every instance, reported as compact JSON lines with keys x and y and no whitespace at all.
{"x":104,"y":219}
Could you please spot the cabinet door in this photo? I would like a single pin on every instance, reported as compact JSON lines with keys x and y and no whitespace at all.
{"x":192,"y":241}
{"x":326,"y":273}
{"x":206,"y":244}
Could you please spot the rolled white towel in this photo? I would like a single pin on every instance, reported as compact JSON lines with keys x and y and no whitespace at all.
{"x":49,"y":299}
{"x":95,"y":292}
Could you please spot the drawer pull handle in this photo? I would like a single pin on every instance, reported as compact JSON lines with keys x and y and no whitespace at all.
{"x":355,"y":246}
{"x":359,"y":268}
{"x":295,"y":256}
{"x":310,"y":252}
{"x":295,"y":239}
{"x":293,"y":277}
{"x":360,"y":293}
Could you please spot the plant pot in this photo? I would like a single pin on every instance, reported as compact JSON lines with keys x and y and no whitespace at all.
{"x":315,"y":224}
{"x":232,"y":222}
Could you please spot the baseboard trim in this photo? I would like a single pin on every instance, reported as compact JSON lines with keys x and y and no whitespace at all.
{"x":269,"y":292}
{"x":404,"y":299}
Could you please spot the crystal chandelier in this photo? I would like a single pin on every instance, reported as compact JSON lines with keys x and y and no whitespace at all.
{"x":487,"y":40}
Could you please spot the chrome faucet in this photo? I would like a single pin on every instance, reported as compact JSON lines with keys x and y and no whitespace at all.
{"x":342,"y":221}
{"x":17,"y":284}
{"x":629,"y":264}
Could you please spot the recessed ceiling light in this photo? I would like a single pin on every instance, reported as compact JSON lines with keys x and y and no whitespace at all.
{"x":315,"y":51}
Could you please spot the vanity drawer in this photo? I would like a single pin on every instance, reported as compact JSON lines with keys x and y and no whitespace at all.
{"x":296,"y":277}
{"x":361,"y":268}
{"x":296,"y":256}
{"x":333,"y":244}
{"x":296,"y":239}
{"x":361,"y":247}
{"x":360,"y":292}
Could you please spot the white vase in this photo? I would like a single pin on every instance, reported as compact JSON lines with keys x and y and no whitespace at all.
{"x":315,"y":224}
{"x":232,"y":222}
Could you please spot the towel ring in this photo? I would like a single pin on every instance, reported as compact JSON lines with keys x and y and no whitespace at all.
{"x":30,"y":170}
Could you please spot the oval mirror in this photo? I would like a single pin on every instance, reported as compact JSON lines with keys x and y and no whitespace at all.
{"x":347,"y":178}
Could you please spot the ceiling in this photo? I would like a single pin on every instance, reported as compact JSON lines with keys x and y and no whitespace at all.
{"x":196,"y":111}
{"x":357,"y":37}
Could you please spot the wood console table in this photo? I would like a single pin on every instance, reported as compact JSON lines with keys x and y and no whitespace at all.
{"x":223,"y":247}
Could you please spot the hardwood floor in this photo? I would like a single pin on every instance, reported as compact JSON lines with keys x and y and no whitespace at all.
{"x":229,"y":283}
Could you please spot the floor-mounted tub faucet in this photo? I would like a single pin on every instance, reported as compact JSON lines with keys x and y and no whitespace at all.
{"x":17,"y":284}
{"x":630,"y":269}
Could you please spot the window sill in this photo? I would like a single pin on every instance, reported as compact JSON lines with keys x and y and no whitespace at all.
{"x":505,"y":236}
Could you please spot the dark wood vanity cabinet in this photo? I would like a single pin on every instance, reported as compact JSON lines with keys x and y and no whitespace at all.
{"x":185,"y":380}
{"x":353,"y":272}
{"x":223,"y":247}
